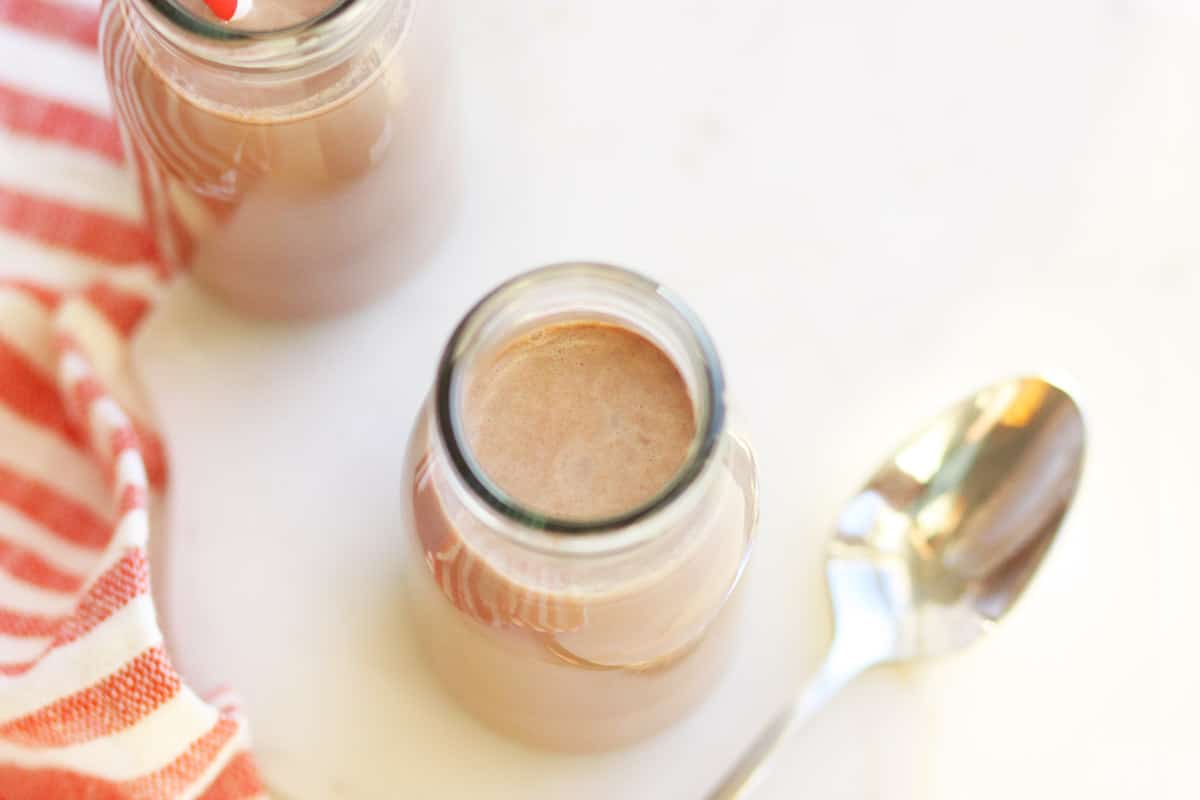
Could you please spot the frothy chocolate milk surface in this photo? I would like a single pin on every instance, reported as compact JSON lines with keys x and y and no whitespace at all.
{"x":579,"y":420}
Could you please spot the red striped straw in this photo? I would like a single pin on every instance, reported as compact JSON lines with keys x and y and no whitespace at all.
{"x":224,"y":9}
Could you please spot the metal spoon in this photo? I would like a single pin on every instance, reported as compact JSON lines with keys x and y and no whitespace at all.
{"x":940,"y":542}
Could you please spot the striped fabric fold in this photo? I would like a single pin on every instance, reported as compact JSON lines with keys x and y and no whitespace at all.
{"x":90,"y":705}
{"x":28,"y":567}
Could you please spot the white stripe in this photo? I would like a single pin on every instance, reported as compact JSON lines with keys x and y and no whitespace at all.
{"x":147,"y":746}
{"x":36,"y":453}
{"x":18,"y":529}
{"x":107,"y":353}
{"x":132,"y":531}
{"x":131,"y":470}
{"x":237,"y":743}
{"x":68,"y":174}
{"x":110,"y":557}
{"x":24,"y":597}
{"x":88,"y":660}
{"x":19,"y":649}
{"x":143,"y":282}
{"x":61,"y":269}
{"x":102,"y":344}
{"x":104,"y":417}
{"x":107,"y":416}
{"x":72,"y":368}
{"x":25,"y":326}
{"x":37,"y":65}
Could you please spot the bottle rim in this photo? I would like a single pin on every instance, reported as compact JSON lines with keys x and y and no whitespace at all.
{"x":710,"y":401}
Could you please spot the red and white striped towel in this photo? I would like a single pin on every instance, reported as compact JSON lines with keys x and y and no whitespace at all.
{"x":90,"y":706}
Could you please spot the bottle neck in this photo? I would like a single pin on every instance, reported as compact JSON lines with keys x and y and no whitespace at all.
{"x":284,"y":72}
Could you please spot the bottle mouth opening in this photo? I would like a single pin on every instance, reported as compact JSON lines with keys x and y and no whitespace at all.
{"x":194,"y":17}
{"x":583,"y":291}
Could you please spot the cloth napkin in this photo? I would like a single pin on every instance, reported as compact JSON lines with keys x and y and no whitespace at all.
{"x":90,"y":706}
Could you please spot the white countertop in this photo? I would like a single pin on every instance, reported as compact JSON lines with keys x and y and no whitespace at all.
{"x":876,"y":207}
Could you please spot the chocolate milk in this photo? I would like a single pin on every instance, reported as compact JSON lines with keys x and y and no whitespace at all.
{"x":303,"y":191}
{"x":579,"y":420}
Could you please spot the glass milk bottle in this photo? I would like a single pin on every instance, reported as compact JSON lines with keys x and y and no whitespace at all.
{"x":574,"y":633}
{"x":298,"y":159}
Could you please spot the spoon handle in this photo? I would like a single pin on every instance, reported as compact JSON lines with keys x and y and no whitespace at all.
{"x":841,"y":665}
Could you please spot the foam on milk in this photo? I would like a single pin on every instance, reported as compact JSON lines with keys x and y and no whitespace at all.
{"x":579,"y":420}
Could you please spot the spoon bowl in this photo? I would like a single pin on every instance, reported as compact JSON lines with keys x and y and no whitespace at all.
{"x":941,"y":541}
{"x":953,"y":525}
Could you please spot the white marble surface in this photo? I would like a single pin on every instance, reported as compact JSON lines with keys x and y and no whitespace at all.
{"x":875,"y":207}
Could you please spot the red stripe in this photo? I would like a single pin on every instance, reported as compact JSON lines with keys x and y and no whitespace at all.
{"x":49,"y":298}
{"x":17,"y":783}
{"x":123,"y":310}
{"x":112,"y":705}
{"x":121,"y":439}
{"x":90,"y":233}
{"x":237,"y":781}
{"x":55,"y":121}
{"x":149,"y":447}
{"x":31,"y":568}
{"x":154,"y":455}
{"x":67,"y":22}
{"x":32,"y":395}
{"x":66,"y":518}
{"x":86,"y":391}
{"x":183,"y":771}
{"x":132,"y":498}
{"x":17,"y":623}
{"x":127,"y":579}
